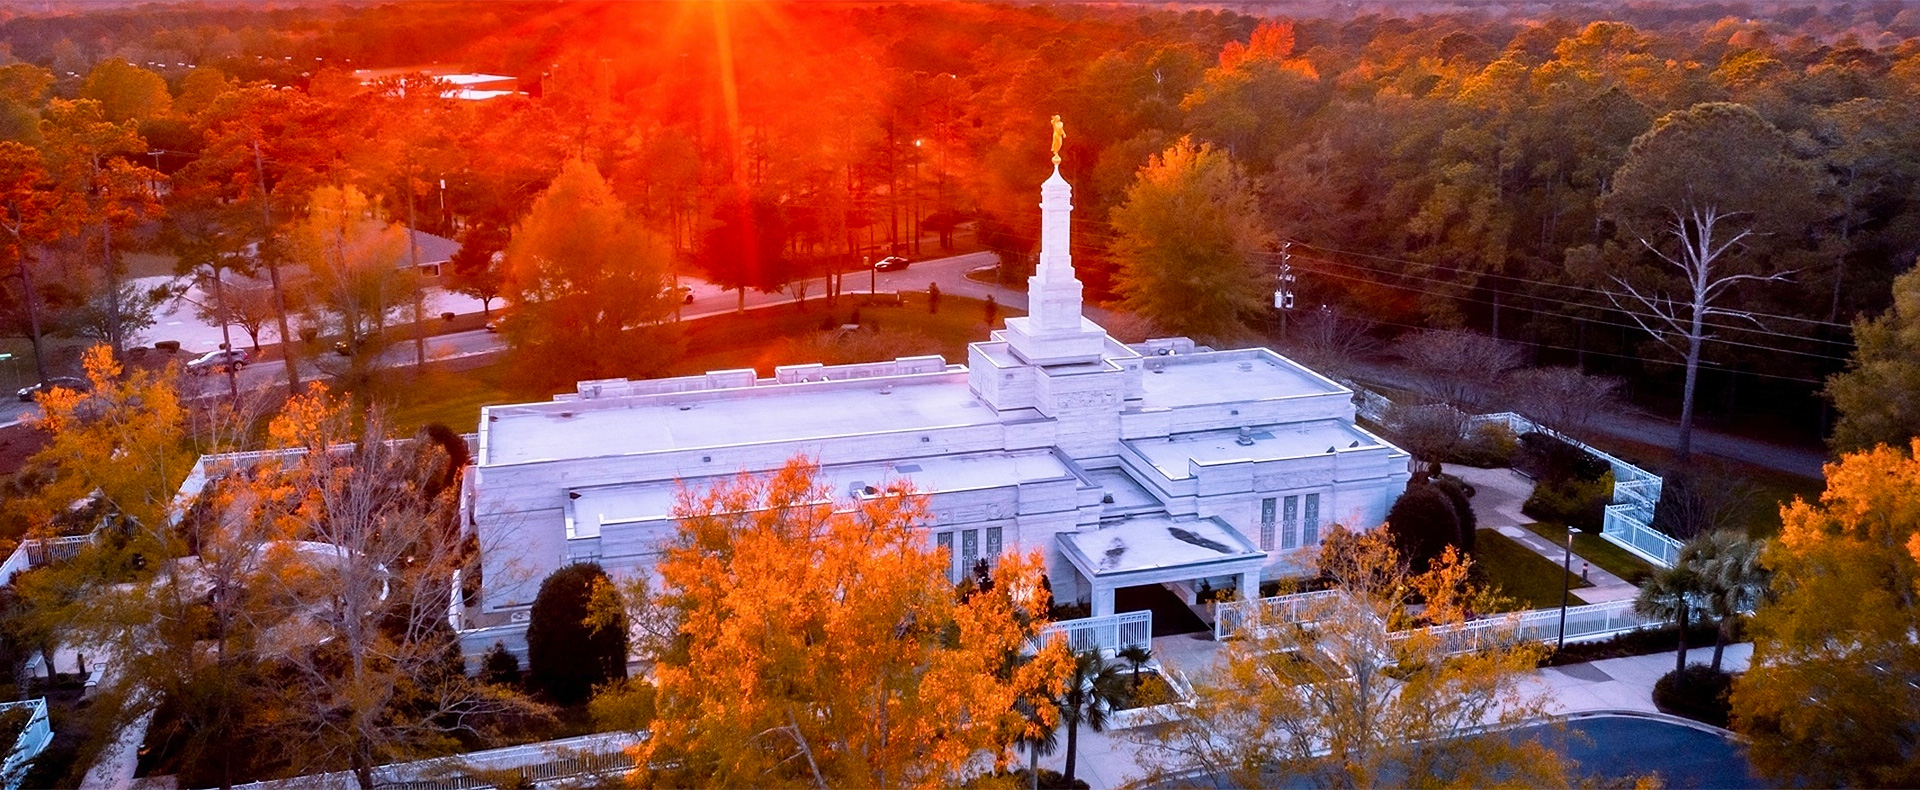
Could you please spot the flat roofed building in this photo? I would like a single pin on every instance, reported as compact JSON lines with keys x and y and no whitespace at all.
{"x":1125,"y":465}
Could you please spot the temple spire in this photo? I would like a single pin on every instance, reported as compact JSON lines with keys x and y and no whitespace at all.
{"x":1054,"y":331}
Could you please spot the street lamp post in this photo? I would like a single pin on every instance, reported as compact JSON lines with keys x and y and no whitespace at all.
{"x":1566,"y":588}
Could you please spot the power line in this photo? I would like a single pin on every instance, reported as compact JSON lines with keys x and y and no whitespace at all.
{"x":1602,"y":322}
{"x":1524,"y":309}
{"x":1542,"y":282}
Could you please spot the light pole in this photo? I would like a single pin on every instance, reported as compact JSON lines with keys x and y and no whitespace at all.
{"x":1566,"y":588}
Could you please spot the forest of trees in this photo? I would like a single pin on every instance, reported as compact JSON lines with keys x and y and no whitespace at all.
{"x":1451,"y":169}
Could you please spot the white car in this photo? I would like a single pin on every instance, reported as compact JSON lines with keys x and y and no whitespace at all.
{"x":218,"y":362}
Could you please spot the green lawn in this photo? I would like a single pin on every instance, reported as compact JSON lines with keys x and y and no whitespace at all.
{"x":1597,"y":550}
{"x":1520,"y":574}
{"x":451,"y":399}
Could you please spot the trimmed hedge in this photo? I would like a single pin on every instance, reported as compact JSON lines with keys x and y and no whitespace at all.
{"x":1698,"y":692}
{"x":1489,"y":445}
{"x":566,"y":658}
{"x":1545,"y":458}
{"x":1581,"y":504}
{"x":1422,"y":523}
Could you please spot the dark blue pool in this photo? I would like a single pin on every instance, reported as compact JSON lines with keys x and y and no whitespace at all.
{"x":1621,"y":746}
{"x":1608,"y":747}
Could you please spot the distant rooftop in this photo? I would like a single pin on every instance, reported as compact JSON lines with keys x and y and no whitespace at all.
{"x":1226,"y":376}
{"x":654,"y":423}
{"x":1171,"y":455}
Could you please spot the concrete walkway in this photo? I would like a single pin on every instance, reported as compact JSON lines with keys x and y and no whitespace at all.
{"x":1115,"y":759}
{"x":1498,"y":497}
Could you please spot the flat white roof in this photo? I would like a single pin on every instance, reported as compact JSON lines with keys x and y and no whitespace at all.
{"x":1155,"y":542}
{"x":654,"y":501}
{"x":1227,"y":377}
{"x":772,"y":413}
{"x":1171,"y":455}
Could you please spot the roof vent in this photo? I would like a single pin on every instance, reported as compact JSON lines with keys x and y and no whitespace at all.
{"x":566,"y":414}
{"x":1246,"y":367}
{"x":1246,"y":438}
{"x":1329,"y":448}
{"x":1356,"y":443}
{"x":1106,"y":499}
{"x":686,"y":407}
{"x":887,"y":390}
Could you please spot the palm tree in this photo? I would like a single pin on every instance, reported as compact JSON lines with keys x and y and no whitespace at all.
{"x":1036,"y":741}
{"x":1093,"y":689}
{"x":1670,"y":594}
{"x":1136,"y":655}
{"x":1732,"y":580}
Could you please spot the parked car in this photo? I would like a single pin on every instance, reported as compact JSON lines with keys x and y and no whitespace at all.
{"x":218,"y":361}
{"x":891,"y":263}
{"x":62,"y":382}
{"x":685,"y":292}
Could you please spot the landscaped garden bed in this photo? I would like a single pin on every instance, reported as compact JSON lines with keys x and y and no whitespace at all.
{"x":1151,"y":696}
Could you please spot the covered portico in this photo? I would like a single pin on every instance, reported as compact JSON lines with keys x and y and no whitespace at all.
{"x":1158,"y":549}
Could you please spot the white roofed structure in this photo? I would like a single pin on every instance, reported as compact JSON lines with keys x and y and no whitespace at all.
{"x":1156,"y":463}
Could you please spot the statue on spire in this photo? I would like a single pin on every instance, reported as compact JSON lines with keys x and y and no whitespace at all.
{"x":1059,"y":136}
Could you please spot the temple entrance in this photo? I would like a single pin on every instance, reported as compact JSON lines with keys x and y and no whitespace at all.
{"x":1170,"y":614}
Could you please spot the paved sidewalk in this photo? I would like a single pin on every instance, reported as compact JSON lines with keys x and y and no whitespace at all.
{"x":1110,"y":760}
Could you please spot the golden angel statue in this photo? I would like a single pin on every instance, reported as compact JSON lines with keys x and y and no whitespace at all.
{"x":1059,"y":136}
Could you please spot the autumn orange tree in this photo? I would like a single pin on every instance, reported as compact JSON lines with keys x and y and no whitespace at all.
{"x":1828,"y":699}
{"x":137,"y":599}
{"x":803,"y":642}
{"x":587,"y":285}
{"x":1348,"y":693}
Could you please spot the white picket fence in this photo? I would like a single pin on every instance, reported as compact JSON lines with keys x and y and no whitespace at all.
{"x":1232,"y":618}
{"x":1628,"y":521}
{"x":542,"y":763}
{"x":29,"y":744}
{"x":1583,"y":623}
{"x":35,"y":552}
{"x":1109,"y":633}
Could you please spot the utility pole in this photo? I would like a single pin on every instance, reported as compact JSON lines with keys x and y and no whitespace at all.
{"x":1566,"y":587}
{"x":1283,"y":295}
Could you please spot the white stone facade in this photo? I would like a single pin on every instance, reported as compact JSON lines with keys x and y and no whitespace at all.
{"x":1124,"y":465}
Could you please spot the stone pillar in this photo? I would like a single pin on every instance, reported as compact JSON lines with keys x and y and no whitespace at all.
{"x":1102,"y":600}
{"x":1249,"y":585}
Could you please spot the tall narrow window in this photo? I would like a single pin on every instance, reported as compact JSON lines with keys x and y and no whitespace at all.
{"x":1310,"y":522}
{"x":1266,"y":524}
{"x":969,"y":550}
{"x":1290,"y":523}
{"x":993,"y":546}
{"x":945,"y":541}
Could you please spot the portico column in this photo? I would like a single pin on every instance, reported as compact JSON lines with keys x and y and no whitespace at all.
{"x":1102,"y":599}
{"x":1249,"y":585}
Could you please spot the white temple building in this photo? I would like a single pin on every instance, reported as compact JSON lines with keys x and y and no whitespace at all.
{"x":1157,"y":463}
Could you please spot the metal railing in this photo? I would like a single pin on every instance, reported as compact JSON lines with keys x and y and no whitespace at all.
{"x":1592,"y":621}
{"x":1234,"y":618}
{"x":540,"y":763}
{"x":1109,"y":634}
{"x":28,"y":744}
{"x":36,"y":552}
{"x":1584,"y":623}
